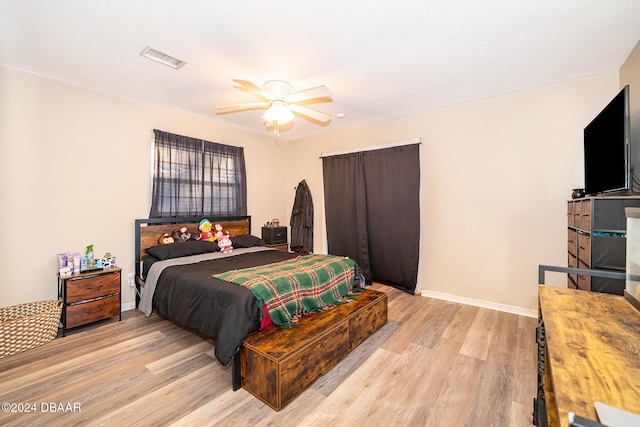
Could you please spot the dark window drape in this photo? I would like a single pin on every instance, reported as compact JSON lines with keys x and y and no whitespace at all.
{"x":372,"y":208}
{"x":193,"y":177}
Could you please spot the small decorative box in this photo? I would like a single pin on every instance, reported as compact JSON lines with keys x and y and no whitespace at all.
{"x":108,"y":262}
{"x":65,"y":271}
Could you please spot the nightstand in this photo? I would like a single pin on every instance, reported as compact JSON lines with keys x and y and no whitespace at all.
{"x":89,"y":296}
{"x":274,"y":235}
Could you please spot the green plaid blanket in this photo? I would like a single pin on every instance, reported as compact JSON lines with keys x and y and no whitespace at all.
{"x":302,"y":285}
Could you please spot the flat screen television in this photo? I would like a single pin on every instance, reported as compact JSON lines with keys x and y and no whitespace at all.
{"x":609,"y":158}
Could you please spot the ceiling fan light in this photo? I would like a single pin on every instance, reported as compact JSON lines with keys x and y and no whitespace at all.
{"x":279,"y":89}
{"x":278,"y":112}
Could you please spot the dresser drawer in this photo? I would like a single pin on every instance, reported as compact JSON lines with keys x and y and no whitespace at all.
{"x":86,"y":288}
{"x":584,"y":248}
{"x":572,"y":242}
{"x":87,"y":312}
{"x":573,"y":263}
{"x":570,"y":206}
{"x":584,"y":282}
{"x":585,"y":215}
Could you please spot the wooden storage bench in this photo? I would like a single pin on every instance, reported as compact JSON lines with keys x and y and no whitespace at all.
{"x":276,"y":365}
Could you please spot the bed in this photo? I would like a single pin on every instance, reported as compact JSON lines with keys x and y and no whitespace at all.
{"x":191,"y":284}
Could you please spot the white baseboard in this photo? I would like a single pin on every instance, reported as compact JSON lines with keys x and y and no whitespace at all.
{"x":128,"y":305}
{"x":521,"y":311}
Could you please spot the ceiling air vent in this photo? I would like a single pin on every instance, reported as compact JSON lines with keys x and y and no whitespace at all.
{"x":162,"y":58}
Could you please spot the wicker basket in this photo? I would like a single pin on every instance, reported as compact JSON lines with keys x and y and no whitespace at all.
{"x":29,"y":325}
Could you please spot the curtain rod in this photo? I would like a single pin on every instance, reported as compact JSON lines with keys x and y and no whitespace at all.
{"x":375,"y":147}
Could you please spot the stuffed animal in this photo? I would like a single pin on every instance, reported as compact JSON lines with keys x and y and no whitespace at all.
{"x":181,"y":234}
{"x":165,"y":239}
{"x":219,"y":232}
{"x":224,"y":243}
{"x":205,"y":231}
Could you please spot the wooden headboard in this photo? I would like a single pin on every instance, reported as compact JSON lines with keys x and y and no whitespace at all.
{"x":149,"y":230}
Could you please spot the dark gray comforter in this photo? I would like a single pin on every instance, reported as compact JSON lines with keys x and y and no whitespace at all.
{"x":220,"y":310}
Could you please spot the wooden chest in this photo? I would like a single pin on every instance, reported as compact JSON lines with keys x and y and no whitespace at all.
{"x":276,"y":365}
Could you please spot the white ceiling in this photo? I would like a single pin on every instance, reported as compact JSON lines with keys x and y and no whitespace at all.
{"x":380,"y":58}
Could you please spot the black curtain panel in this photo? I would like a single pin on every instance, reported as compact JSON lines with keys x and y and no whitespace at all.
{"x":372,"y":205}
{"x":345,"y":208}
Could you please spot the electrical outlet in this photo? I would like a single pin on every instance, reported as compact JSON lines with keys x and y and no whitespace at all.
{"x":132,"y":279}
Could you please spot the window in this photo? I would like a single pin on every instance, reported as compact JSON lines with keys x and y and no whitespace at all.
{"x":193,"y":177}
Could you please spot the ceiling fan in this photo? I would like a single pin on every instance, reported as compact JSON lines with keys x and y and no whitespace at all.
{"x":280,"y":104}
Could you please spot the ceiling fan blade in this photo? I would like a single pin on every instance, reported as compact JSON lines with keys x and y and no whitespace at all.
{"x":313,"y":93}
{"x":248,"y":87}
{"x":311,"y":113}
{"x":241,"y":107}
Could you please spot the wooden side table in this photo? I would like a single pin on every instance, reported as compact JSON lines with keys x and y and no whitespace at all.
{"x":89,"y":296}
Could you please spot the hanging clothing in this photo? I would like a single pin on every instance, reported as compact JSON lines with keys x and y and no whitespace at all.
{"x":302,"y":220}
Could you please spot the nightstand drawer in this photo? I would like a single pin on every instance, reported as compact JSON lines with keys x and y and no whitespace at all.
{"x":87,"y":312}
{"x":93,"y":287}
{"x":274,"y":235}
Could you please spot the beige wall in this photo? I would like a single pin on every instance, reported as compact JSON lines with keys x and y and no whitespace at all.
{"x":496,"y":175}
{"x":75,"y":170}
{"x":630,"y":75}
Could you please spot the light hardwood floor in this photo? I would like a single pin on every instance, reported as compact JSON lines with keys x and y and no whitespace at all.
{"x":434,"y":363}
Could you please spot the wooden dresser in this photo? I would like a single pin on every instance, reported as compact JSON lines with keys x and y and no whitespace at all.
{"x":89,"y":297}
{"x":596,"y":240}
{"x":590,"y":351}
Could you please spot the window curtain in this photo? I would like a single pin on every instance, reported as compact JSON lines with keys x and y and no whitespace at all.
{"x":194,"y":177}
{"x":372,"y":208}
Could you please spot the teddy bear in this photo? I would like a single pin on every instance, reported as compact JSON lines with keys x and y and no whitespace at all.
{"x":205,"y":231}
{"x":219,"y":232}
{"x":181,"y":234}
{"x":165,"y":239}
